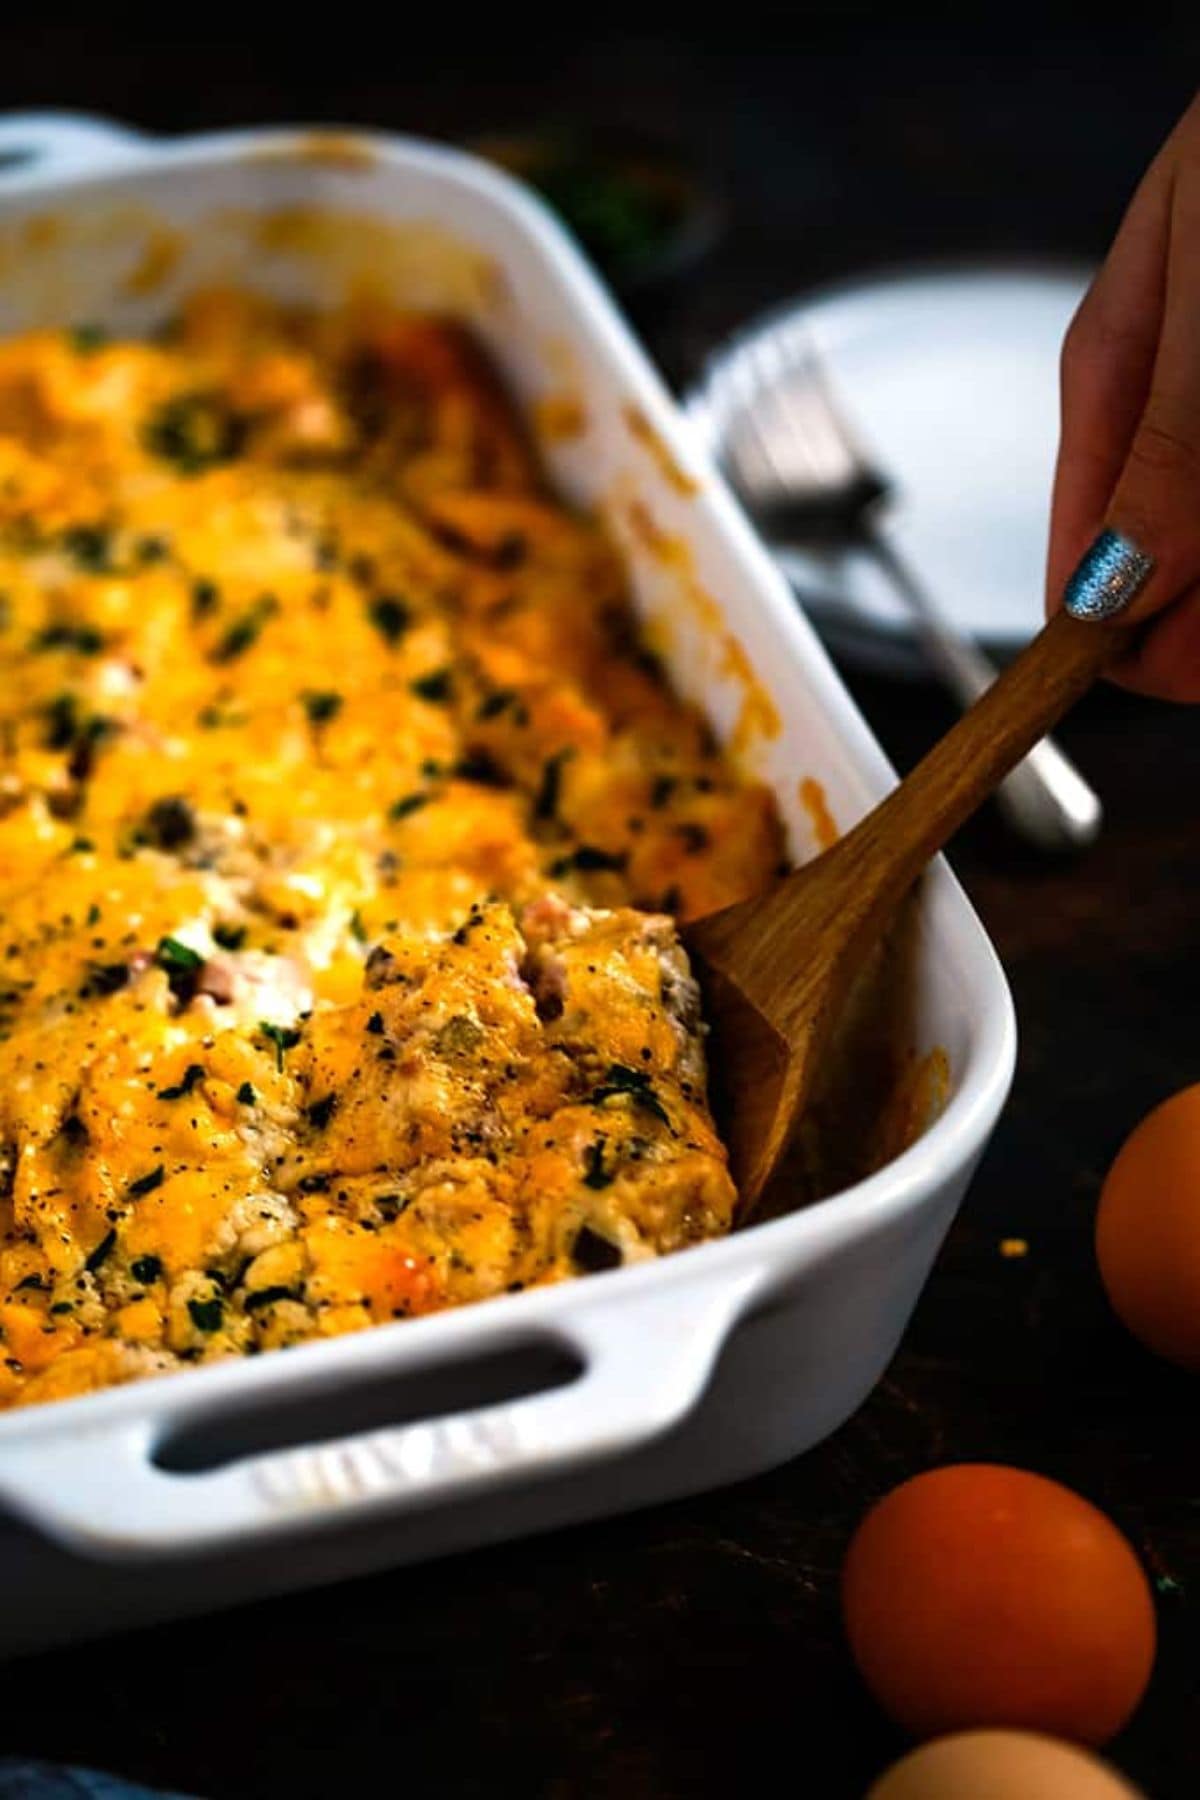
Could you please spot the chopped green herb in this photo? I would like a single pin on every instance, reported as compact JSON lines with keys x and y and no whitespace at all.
{"x":695,"y":837}
{"x":85,"y":640}
{"x":482,"y":769}
{"x":101,"y":1253}
{"x":191,"y":1075}
{"x":284,"y":1038}
{"x":89,"y":547}
{"x":93,"y":914}
{"x":550,"y":788}
{"x":171,"y":954}
{"x":246,"y":1095}
{"x":321,"y":1111}
{"x":375,"y":1024}
{"x":435,"y":687}
{"x":230,"y":937}
{"x":85,"y":339}
{"x":146,"y":1184}
{"x":62,"y":722}
{"x":171,"y":823}
{"x":245,"y":631}
{"x":195,"y":432}
{"x":493,"y":704}
{"x":589,"y":859}
{"x":146,"y":1269}
{"x":105,"y":978}
{"x":592,"y":1253}
{"x":206,"y":1315}
{"x":206,"y":597}
{"x":358,"y":930}
{"x":595,"y":1174}
{"x":390,"y":616}
{"x":632,"y":1084}
{"x":268,"y":1296}
{"x":321,"y":706}
{"x":409,"y":803}
{"x":182,"y":965}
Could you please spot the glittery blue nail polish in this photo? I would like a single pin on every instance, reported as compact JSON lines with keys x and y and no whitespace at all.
{"x":1111,"y":575}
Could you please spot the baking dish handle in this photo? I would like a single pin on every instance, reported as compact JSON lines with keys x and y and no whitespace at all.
{"x":60,"y":143}
{"x":645,"y":1362}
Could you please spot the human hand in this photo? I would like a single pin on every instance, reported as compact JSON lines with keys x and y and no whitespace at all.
{"x":1129,"y":455}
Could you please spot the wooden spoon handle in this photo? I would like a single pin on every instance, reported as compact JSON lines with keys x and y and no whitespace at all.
{"x":919,"y":817}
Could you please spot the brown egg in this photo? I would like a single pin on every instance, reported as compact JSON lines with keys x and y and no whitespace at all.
{"x":1000,"y":1765}
{"x":1148,"y":1230}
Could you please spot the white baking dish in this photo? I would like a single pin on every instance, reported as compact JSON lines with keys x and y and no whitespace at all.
{"x":666,"y":1378}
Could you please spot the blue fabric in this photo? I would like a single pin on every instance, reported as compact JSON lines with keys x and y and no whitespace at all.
{"x":21,"y":1780}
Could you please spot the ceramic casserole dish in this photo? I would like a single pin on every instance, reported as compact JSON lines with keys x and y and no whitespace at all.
{"x":187,"y":1492}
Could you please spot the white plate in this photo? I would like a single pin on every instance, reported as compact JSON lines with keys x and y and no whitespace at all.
{"x":950,"y":379}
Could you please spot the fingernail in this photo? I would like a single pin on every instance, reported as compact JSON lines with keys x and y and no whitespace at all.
{"x":1111,"y":575}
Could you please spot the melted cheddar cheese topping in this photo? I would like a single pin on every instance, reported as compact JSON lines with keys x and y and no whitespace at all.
{"x":342,"y":817}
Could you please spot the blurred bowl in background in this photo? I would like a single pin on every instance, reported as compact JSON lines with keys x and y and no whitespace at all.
{"x":639,"y":210}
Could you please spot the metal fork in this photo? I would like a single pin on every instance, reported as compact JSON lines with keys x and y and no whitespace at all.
{"x":803,"y":477}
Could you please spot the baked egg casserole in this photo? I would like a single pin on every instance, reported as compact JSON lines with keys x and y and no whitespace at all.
{"x":344,"y":821}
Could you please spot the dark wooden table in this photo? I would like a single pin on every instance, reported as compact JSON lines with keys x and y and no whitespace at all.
{"x":695,"y":1649}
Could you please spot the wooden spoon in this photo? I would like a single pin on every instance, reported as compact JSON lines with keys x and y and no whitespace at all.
{"x":776,"y":969}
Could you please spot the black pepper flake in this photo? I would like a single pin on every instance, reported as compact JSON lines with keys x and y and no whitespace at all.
{"x":664,"y":786}
{"x":146,"y":1184}
{"x":230,"y":937}
{"x":315,"y":1184}
{"x":101,"y":1253}
{"x":146,"y":1269}
{"x":246,"y":1095}
{"x":375,"y":1024}
{"x":695,"y":838}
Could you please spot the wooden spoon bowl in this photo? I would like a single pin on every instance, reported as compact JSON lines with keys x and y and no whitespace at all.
{"x":776,"y":969}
